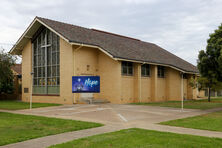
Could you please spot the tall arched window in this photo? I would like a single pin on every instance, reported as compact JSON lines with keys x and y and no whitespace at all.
{"x":46,"y":60}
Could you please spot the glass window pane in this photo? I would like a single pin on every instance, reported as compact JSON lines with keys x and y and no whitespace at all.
{"x":58,"y":81}
{"x":53,"y":70}
{"x":39,"y":72}
{"x":49,"y":71}
{"x":35,"y":60}
{"x":35,"y":47}
{"x":130,"y":70}
{"x":35,"y":81}
{"x":43,"y":37}
{"x":49,"y":59}
{"x":130,"y":64}
{"x":43,"y":81}
{"x":58,"y":70}
{"x":57,"y":47}
{"x":49,"y":37}
{"x":39,"y":45}
{"x":160,"y":71}
{"x":124,"y":70}
{"x":54,"y":81}
{"x":54,"y":42}
{"x":57,"y":58}
{"x":39,"y":60}
{"x":35,"y":72}
{"x":53,"y":58}
{"x":143,"y":71}
{"x":124,"y":63}
{"x":49,"y":81}
{"x":43,"y":71}
{"x":148,"y":72}
{"x":163,"y":73}
{"x":43,"y":57}
{"x":40,"y":81}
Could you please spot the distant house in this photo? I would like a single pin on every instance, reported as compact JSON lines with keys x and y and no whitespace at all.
{"x":17,"y":72}
{"x":130,"y":70}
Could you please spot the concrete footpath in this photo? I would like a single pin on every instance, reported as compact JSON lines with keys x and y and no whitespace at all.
{"x":115,"y":117}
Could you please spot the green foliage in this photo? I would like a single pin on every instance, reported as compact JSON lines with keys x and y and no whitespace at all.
{"x":209,"y":62}
{"x":6,"y":75}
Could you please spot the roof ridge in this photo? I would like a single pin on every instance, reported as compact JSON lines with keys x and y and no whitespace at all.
{"x":92,"y":29}
{"x":115,"y":34}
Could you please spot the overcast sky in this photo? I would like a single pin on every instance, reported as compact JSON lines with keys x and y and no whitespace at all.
{"x":180,"y":26}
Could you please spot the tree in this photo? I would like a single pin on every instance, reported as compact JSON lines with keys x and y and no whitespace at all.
{"x":6,"y":75}
{"x":209,"y":62}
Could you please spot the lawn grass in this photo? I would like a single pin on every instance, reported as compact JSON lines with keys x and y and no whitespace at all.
{"x":17,"y":127}
{"x":16,"y":105}
{"x":211,"y":121}
{"x":140,"y":138}
{"x":189,"y":104}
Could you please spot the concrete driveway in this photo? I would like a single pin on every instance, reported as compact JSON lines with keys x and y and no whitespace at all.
{"x":115,"y":117}
{"x":113,"y":113}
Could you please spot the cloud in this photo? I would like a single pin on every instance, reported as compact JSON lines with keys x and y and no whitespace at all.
{"x":181,"y":27}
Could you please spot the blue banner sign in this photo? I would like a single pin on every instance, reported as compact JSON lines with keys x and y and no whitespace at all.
{"x":85,"y":84}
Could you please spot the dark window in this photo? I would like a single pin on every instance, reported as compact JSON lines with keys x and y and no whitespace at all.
{"x":185,"y":76}
{"x":127,"y":68}
{"x":145,"y":70}
{"x":161,"y":71}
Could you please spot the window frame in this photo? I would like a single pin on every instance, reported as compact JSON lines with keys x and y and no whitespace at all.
{"x":161,"y":71}
{"x":128,"y":66}
{"x":49,"y":41}
{"x":147,"y":71}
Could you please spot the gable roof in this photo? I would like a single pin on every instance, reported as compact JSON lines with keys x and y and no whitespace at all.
{"x":17,"y":68}
{"x":117,"y":46}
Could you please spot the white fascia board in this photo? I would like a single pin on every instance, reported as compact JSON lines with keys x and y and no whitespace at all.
{"x":23,"y":35}
{"x":53,"y":30}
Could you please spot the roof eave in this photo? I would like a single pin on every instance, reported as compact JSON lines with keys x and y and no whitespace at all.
{"x":155,"y":63}
{"x":15,"y":47}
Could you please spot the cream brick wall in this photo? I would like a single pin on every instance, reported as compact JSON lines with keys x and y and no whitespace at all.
{"x":127,"y":93}
{"x":161,"y":94}
{"x":114,"y":87}
{"x":146,"y":89}
{"x":26,"y":70}
{"x":174,"y":84}
{"x":110,"y":78}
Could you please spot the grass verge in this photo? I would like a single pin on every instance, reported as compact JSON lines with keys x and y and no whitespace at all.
{"x":140,"y":138}
{"x":211,"y":121}
{"x":16,"y":127}
{"x":189,"y":104}
{"x":16,"y":105}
